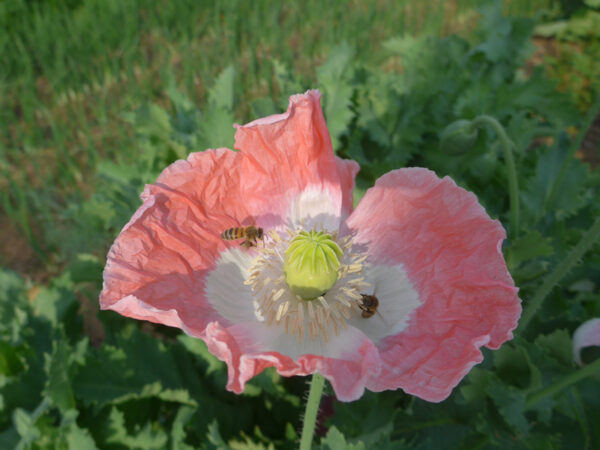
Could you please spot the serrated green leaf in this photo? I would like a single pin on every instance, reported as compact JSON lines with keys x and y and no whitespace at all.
{"x":532,"y":245}
{"x":505,"y":39}
{"x":511,"y":405}
{"x":499,"y":28}
{"x":371,"y":419}
{"x":538,"y":94}
{"x":13,"y":306}
{"x":220,"y":95}
{"x":474,"y":99}
{"x":263,"y":107}
{"x":409,"y":47}
{"x":335,"y":440}
{"x":559,"y":345}
{"x":80,"y":439}
{"x":86,"y":267}
{"x":531,"y":270}
{"x":58,"y":385}
{"x":547,"y":192}
{"x":107,"y":377}
{"x":56,"y":301}
{"x":25,"y":426}
{"x":249,"y":444}
{"x":333,"y":78}
{"x":181,"y":396}
{"x":179,"y":100}
{"x":75,"y":438}
{"x":214,"y":436}
{"x":152,"y":120}
{"x":198,"y":347}
{"x":178,"y":434}
{"x":514,"y":366}
{"x":140,"y":367}
{"x":475,"y":390}
{"x":144,"y":438}
{"x":216,"y":129}
{"x":286,"y":82}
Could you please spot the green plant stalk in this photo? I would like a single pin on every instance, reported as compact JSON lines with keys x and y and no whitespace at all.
{"x":310,"y":414}
{"x":511,"y":171}
{"x":570,"y":379}
{"x":559,"y":271}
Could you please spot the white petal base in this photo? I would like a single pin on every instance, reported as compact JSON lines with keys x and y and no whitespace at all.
{"x":234,"y":300}
{"x":397,"y":299}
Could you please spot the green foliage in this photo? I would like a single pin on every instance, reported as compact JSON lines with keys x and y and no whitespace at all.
{"x":575,"y":61}
{"x":333,"y":78}
{"x":551,"y":191}
{"x":73,"y":378}
{"x":135,"y":391}
{"x":336,"y":441}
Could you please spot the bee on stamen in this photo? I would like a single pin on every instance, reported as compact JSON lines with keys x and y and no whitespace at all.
{"x":250,"y":235}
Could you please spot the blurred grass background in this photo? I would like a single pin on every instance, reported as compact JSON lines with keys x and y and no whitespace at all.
{"x":98,"y":96}
{"x":71,"y":68}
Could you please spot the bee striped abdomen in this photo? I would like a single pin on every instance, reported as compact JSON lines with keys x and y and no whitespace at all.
{"x":232,"y":234}
{"x":250,"y":235}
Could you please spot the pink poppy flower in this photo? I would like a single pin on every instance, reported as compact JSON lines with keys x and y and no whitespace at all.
{"x":421,"y":245}
{"x":586,"y":335}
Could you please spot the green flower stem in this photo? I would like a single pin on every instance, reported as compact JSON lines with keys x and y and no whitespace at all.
{"x":511,"y":171}
{"x":570,"y":379}
{"x":312,"y":407}
{"x":559,"y":271}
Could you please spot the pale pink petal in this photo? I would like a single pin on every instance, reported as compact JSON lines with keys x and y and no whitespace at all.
{"x":397,"y":301}
{"x":287,"y":153}
{"x":587,"y":335}
{"x":157,"y":266}
{"x":347,"y":374}
{"x":250,"y":344}
{"x":451,"y":251}
{"x":347,"y":170}
{"x":428,"y":230}
{"x":225,"y":288}
{"x":162,"y":255}
{"x":314,"y":208}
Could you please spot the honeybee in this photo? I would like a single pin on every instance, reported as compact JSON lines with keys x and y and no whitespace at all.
{"x":250,"y":235}
{"x":368,"y":305}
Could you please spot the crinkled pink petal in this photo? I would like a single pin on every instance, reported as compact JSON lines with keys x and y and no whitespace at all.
{"x":347,"y":169}
{"x":159,"y":261}
{"x":286,"y":153}
{"x":586,"y":335}
{"x":451,"y":251}
{"x":347,"y":376}
{"x":156,"y":268}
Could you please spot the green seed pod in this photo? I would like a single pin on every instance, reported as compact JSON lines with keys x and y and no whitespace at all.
{"x":311,"y":264}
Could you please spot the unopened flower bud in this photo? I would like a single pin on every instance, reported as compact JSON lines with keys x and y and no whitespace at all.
{"x":311,"y":264}
{"x":458,"y":137}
